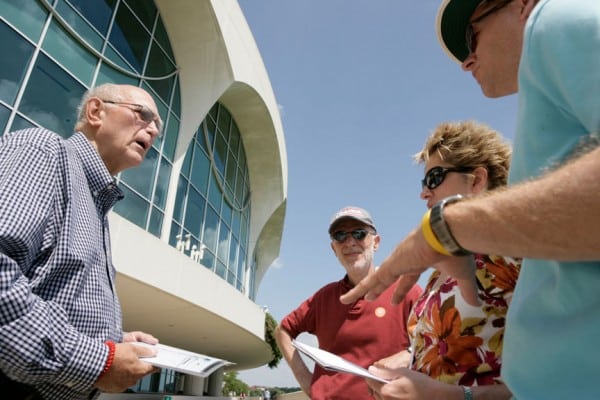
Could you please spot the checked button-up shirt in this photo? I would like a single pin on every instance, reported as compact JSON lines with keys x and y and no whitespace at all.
{"x":58,"y":302}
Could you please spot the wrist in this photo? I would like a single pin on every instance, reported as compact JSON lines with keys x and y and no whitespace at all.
{"x":442,"y":231}
{"x":110,"y":358}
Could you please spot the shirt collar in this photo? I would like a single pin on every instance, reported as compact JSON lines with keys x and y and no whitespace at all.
{"x":94,"y":168}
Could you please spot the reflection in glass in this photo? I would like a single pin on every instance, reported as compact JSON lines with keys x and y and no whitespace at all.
{"x":13,"y":67}
{"x":26,"y":16}
{"x":97,"y":13}
{"x":162,"y":183}
{"x":141,"y":178}
{"x":47,"y":83}
{"x":130,"y":38}
{"x":132,"y":207}
{"x":69,"y":53}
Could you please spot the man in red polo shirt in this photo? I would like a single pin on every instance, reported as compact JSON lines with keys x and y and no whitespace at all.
{"x":362,"y":332}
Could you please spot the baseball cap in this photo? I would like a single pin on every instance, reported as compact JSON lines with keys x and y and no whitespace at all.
{"x":351,"y":212}
{"x":451,"y":26}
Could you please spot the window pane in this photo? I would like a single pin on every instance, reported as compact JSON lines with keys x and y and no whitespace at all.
{"x":187,"y":161}
{"x":156,"y":219}
{"x":200,"y":170}
{"x":141,"y":178}
{"x":194,"y":212}
{"x":220,"y":154}
{"x":159,"y":66}
{"x":163,"y":39}
{"x":230,"y":171}
{"x":221,"y":269}
{"x":129,"y":38}
{"x":162,"y":183}
{"x":176,"y":101}
{"x":98,"y":13}
{"x":51,"y":97}
{"x":235,"y":224}
{"x":27,"y":16}
{"x":223,"y":251}
{"x":108,"y":74}
{"x":208,"y":259}
{"x":132,"y":207}
{"x":170,"y":137}
{"x":211,"y":224}
{"x":226,"y":213}
{"x":232,"y":256}
{"x":210,"y":133}
{"x":214,"y":194}
{"x":81,"y":26}
{"x":69,"y":53}
{"x":182,"y":186}
{"x":234,"y":139}
{"x":224,"y":120}
{"x":12,"y":69}
{"x":175,"y":230}
{"x":4,"y":114}
{"x":145,"y":11}
{"x":20,"y":123}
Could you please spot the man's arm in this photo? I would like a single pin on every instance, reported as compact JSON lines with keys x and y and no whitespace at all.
{"x":554,"y":217}
{"x":292,"y":356}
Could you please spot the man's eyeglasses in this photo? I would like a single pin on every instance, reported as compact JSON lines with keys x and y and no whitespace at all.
{"x":436,"y":175}
{"x":470,"y":33}
{"x":358,"y":234}
{"x":145,"y":113}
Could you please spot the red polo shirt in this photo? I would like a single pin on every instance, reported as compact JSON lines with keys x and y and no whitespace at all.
{"x":362,"y":332}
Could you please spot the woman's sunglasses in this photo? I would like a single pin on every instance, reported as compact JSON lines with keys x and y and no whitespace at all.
{"x":436,"y":175}
{"x":358,"y":234}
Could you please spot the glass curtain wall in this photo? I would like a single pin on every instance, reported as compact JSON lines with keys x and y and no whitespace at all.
{"x":56,"y":49}
{"x":212,"y":214}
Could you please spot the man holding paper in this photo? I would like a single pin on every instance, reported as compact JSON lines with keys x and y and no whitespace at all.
{"x":361,"y":332}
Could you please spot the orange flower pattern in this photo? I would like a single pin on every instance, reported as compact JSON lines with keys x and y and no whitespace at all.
{"x":455,"y":342}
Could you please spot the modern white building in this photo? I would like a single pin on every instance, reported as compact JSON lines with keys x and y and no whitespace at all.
{"x":203,"y":216}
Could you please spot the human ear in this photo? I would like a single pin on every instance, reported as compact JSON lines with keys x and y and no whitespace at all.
{"x":480,"y":183}
{"x":93,"y":111}
{"x":526,"y":8}
{"x":376,"y":241}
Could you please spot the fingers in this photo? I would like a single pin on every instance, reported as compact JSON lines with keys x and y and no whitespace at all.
{"x":138,"y":336}
{"x":399,"y":360}
{"x":382,"y":372}
{"x":469,"y":291}
{"x":463,"y":270}
{"x":126,"y":368}
{"x":405,"y":283}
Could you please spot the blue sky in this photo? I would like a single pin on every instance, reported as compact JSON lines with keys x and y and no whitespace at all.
{"x":360,"y":85}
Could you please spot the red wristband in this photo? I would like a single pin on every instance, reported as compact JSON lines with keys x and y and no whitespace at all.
{"x":111,"y":356}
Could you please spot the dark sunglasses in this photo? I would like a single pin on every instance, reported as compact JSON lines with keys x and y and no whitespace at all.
{"x":436,"y":175}
{"x":145,"y":113}
{"x":471,"y":37}
{"x":358,"y":234}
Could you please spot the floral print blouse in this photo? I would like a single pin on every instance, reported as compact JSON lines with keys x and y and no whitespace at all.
{"x":455,"y":342}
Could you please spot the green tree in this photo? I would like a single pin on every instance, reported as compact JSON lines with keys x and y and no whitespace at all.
{"x":270,"y":325}
{"x":231,"y":383}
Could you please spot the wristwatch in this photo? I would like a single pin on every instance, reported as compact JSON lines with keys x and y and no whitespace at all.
{"x":440,"y":227}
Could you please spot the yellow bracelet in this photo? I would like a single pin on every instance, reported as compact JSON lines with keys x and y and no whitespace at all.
{"x":430,"y":237}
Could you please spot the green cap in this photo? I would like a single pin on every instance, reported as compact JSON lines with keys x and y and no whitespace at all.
{"x":451,"y":26}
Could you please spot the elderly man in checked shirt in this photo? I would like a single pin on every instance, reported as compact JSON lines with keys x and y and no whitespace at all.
{"x":60,"y":319}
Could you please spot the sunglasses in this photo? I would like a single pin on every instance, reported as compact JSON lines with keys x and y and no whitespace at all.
{"x":358,"y":234}
{"x":471,"y":36}
{"x":145,"y":113}
{"x":436,"y":175}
